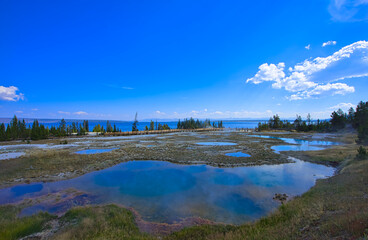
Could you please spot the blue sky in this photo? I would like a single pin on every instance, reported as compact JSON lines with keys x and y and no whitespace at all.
{"x":176,"y":59}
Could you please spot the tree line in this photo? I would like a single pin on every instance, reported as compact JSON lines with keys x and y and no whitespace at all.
{"x":109,"y":128}
{"x":357,"y":118}
{"x":152,"y":126}
{"x":194,"y":124}
{"x":17,"y":129}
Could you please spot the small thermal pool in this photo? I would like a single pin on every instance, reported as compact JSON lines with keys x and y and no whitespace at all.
{"x":94,"y":151}
{"x":237,"y":154}
{"x":281,"y":148}
{"x":216,"y":143}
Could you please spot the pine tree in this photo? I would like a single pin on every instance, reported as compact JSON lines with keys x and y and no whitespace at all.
{"x":152,"y":125}
{"x":35,"y":132}
{"x":13,"y":128}
{"x":62,"y":128}
{"x":85,"y":126}
{"x":2,"y":132}
{"x":74,"y":127}
{"x":108,"y":126}
{"x":135,"y":123}
{"x":97,"y":128}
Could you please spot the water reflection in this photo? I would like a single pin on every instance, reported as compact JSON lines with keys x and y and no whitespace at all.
{"x":167,"y":192}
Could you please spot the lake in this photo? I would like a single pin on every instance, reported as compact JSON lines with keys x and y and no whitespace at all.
{"x":127,"y":125}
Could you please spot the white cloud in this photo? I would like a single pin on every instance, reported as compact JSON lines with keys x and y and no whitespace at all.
{"x":80,"y":113}
{"x":327,"y":89}
{"x":222,"y":114}
{"x":348,"y":10}
{"x":351,"y":76}
{"x":343,"y":106}
{"x":19,"y":111}
{"x":301,"y":78}
{"x":328,"y":43}
{"x":160,"y":113}
{"x":64,"y":113}
{"x":267,"y":72}
{"x":127,"y":88}
{"x":119,"y":86}
{"x":35,"y":109}
{"x":307,"y":47}
{"x":10,"y":94}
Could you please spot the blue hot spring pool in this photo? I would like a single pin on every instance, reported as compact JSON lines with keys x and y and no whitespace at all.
{"x":303,"y":147}
{"x":94,"y":151}
{"x":298,"y":144}
{"x":217,"y":143}
{"x":167,"y":192}
{"x":237,"y":154}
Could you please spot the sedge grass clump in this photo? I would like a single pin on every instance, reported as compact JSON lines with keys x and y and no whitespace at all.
{"x":13,"y":227}
{"x":100,"y":222}
{"x":362,"y":153}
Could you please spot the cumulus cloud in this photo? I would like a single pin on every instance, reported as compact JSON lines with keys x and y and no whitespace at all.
{"x":80,"y":113}
{"x":348,"y":10}
{"x":270,"y":72}
{"x":307,"y":47}
{"x":160,"y":113}
{"x":10,"y":94}
{"x":343,"y":106}
{"x":328,"y":43}
{"x":301,"y":78}
{"x":327,"y":89}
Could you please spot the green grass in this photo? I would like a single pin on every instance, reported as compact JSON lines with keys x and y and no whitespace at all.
{"x":12,"y":227}
{"x":107,"y":222}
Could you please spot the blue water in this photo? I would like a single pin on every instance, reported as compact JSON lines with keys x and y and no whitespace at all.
{"x":217,"y":143}
{"x":241,"y":124}
{"x":281,"y":148}
{"x":127,"y":125}
{"x":298,"y":144}
{"x":237,"y":154}
{"x":167,"y":192}
{"x":94,"y":151}
{"x":299,"y":141}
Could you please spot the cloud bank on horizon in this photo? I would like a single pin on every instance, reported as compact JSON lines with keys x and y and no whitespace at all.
{"x":314,"y":78}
